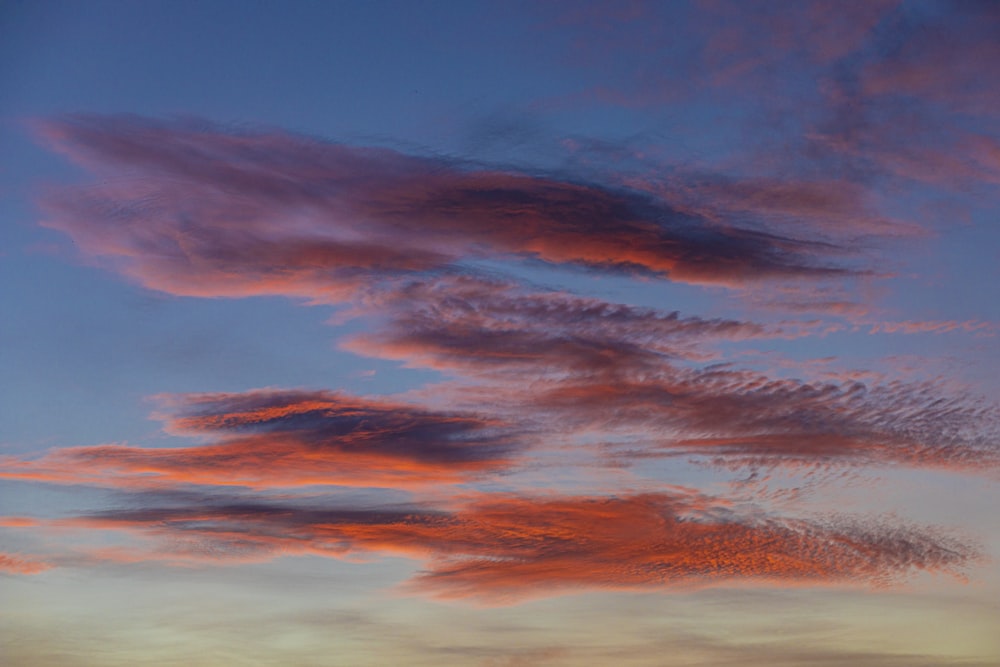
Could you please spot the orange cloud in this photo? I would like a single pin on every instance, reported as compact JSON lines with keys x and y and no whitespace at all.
{"x":469,"y":323}
{"x":210,"y":212}
{"x":18,"y":564}
{"x":581,"y":365}
{"x":501,"y":549}
{"x":17,"y":522}
{"x":271,"y":438}
{"x":750,"y":417}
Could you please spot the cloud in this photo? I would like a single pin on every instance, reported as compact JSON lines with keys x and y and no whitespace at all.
{"x":936,"y":55}
{"x":934,"y":326}
{"x":275,"y":438}
{"x":837,"y":210}
{"x":746,"y":43}
{"x":831,"y":94}
{"x":912,"y":104}
{"x":576,"y":365}
{"x":17,"y":522}
{"x":19,"y":564}
{"x":195,"y":209}
{"x":657,"y":54}
{"x":533,"y":366}
{"x":499,"y":549}
{"x":743,"y":417}
{"x":475,"y":325}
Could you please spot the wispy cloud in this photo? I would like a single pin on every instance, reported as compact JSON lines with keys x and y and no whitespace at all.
{"x":498,"y":549}
{"x":271,"y":438}
{"x":767,"y":48}
{"x":468,"y":322}
{"x":196,"y":209}
{"x":191,"y":208}
{"x":937,"y":56}
{"x":848,"y":93}
{"x":11,"y":563}
{"x":590,"y":366}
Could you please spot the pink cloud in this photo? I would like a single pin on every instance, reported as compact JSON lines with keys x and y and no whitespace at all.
{"x":750,"y":417}
{"x":196,"y":210}
{"x":19,"y":564}
{"x":746,"y":41}
{"x":471,"y":323}
{"x":272,"y":438}
{"x":934,"y":326}
{"x":499,"y":549}
{"x":583,"y":366}
{"x":939,"y":58}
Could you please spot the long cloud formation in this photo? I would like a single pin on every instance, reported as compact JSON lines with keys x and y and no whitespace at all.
{"x":196,"y":210}
{"x":193,"y":209}
{"x":585,"y":364}
{"x":271,"y":438}
{"x":499,"y":549}
{"x":467,"y":322}
{"x":869,"y":91}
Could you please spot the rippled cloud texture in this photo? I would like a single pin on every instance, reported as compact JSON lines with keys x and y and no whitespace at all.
{"x":195,"y":210}
{"x":678,"y":362}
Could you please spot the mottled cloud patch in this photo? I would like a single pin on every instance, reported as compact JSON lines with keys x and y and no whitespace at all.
{"x":855,"y":94}
{"x":727,"y":44}
{"x":838,"y":210}
{"x":937,"y":55}
{"x":935,"y":327}
{"x":472,"y":325}
{"x":748,"y":417}
{"x":195,"y":209}
{"x":273,"y":438}
{"x":17,"y":522}
{"x":579,"y":365}
{"x":501,"y":549}
{"x":11,"y":563}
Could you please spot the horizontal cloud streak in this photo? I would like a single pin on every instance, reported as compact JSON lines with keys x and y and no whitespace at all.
{"x":585,"y":365}
{"x":194,"y":209}
{"x":271,"y":438}
{"x":500,"y":549}
{"x":473,"y":324}
{"x":20,"y":564}
{"x":745,"y":415}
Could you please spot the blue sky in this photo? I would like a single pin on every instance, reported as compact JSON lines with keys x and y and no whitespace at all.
{"x":499,"y":334}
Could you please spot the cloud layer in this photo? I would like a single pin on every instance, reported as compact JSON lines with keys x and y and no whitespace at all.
{"x":20,"y":564}
{"x":402,"y":241}
{"x":271,"y":438}
{"x":591,"y":366}
{"x":500,"y":549}
{"x":194,"y":209}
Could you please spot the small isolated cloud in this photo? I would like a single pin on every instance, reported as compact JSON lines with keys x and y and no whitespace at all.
{"x":273,"y":438}
{"x":499,"y":549}
{"x":11,"y":563}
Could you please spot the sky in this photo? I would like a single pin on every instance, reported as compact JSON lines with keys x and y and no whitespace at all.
{"x":500,"y":333}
